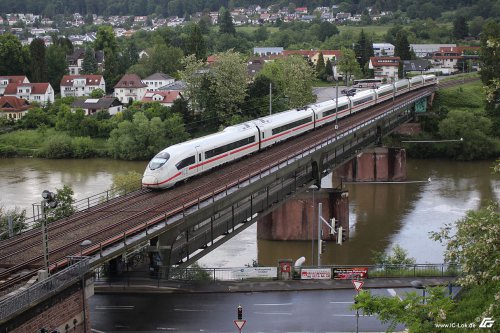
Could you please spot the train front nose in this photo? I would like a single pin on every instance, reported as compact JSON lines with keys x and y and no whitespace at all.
{"x":149,"y":181}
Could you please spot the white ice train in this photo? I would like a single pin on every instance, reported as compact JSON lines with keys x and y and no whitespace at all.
{"x":183,"y":160}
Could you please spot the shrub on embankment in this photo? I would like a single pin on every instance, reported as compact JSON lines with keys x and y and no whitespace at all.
{"x":457,"y":113}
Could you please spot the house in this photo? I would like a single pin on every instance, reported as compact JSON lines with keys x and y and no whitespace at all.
{"x":34,"y":92}
{"x":254,"y":65}
{"x":81,"y":85}
{"x":93,"y":105}
{"x":157,"y":80}
{"x":426,"y":50}
{"x":383,"y":49}
{"x":130,"y":88}
{"x":75,"y":61}
{"x":446,"y":59}
{"x":5,"y":80}
{"x":165,"y":98}
{"x":12,"y":107}
{"x":176,"y":86}
{"x":385,"y":68}
{"x":416,"y":66}
{"x":265,"y":51}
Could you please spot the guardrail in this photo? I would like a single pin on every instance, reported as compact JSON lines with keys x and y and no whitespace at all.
{"x":21,"y":301}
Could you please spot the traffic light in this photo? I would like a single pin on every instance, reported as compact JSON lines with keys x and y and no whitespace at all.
{"x":323,"y":246}
{"x":50,"y":198}
{"x":240,"y":312}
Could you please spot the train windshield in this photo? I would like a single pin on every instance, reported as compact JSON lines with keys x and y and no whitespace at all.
{"x":159,"y":160}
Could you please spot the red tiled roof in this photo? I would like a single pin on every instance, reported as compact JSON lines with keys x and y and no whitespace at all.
{"x":12,"y":103}
{"x":130,"y":81}
{"x":92,"y":80}
{"x":168,"y":96}
{"x":307,"y":53}
{"x":458,"y":49}
{"x":36,"y":88}
{"x":14,"y":78}
{"x":385,"y":61}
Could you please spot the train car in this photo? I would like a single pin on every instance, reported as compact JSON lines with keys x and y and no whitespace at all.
{"x":325,"y":111}
{"x":183,"y":160}
{"x":384,"y":92}
{"x":362,"y":100}
{"x":430,"y":80}
{"x":416,"y":82}
{"x":402,"y":87}
{"x":283,"y":125}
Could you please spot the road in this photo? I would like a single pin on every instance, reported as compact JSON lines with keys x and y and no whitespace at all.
{"x":295,"y":311}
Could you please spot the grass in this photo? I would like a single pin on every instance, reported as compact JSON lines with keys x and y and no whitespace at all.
{"x":410,"y":272}
{"x":468,"y":95}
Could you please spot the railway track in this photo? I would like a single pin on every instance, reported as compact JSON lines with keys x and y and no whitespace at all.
{"x":22,"y":255}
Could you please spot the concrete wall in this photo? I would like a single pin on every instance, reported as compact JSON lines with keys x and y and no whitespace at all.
{"x":297,"y":219}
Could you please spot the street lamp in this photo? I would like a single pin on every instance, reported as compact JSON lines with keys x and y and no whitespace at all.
{"x":419,"y":285}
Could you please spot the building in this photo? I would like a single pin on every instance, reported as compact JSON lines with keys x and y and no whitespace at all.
{"x":33,"y":92}
{"x":266,"y":51}
{"x":130,"y":88}
{"x":165,"y":98}
{"x":383,"y":49}
{"x":94,"y":105}
{"x":157,"y":80}
{"x":5,"y":80}
{"x":81,"y":85}
{"x":75,"y":61}
{"x":416,"y":66}
{"x":426,"y":50}
{"x":13,"y":108}
{"x":385,"y":68}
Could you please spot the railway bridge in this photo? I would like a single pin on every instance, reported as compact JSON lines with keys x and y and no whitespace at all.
{"x":179,"y":225}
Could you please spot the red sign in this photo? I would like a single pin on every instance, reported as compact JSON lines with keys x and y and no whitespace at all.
{"x":357,"y":284}
{"x":350,"y":273}
{"x":240,"y":324}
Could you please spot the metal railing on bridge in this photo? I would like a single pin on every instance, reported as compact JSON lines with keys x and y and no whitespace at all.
{"x":20,"y":301}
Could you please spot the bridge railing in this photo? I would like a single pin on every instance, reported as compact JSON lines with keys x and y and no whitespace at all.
{"x":374,"y":271}
{"x":39,"y":291}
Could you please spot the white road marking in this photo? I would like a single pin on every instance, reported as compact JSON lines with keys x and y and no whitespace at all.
{"x":272,"y":304}
{"x":341,"y":302}
{"x":115,"y":307}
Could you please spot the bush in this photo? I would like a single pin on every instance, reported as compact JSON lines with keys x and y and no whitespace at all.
{"x":7,"y":151}
{"x":58,"y":146}
{"x":83,"y":147}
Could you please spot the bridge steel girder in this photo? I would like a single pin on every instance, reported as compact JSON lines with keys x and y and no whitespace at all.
{"x":196,"y":230}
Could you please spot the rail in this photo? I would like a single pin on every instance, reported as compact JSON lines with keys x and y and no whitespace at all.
{"x":18,"y":302}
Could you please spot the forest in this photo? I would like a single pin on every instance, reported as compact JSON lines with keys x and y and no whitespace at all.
{"x":413,"y":8}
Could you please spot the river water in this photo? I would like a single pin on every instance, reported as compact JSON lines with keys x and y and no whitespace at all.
{"x":381,"y":215}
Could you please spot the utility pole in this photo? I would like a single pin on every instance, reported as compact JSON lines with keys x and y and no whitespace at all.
{"x":328,"y":224}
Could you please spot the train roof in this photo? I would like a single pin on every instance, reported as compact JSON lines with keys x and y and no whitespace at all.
{"x":282,"y":117}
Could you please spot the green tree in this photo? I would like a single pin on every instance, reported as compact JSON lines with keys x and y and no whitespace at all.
{"x":347,"y":65}
{"x":56,"y":65}
{"x":293,"y":77}
{"x":65,"y":201}
{"x":460,"y":28}
{"x":399,"y":256}
{"x":418,"y":316}
{"x":12,"y":59}
{"x":474,"y":128}
{"x":97,"y":93}
{"x":126,"y":183}
{"x":261,"y":34}
{"x":320,"y":66}
{"x":226,"y":25}
{"x":328,"y":69}
{"x":89,"y":63}
{"x":105,"y":39}
{"x":191,"y":75}
{"x":402,"y":47}
{"x":490,"y":52}
{"x":18,"y":218}
{"x":161,"y":58}
{"x":229,"y":82}
{"x":34,"y":118}
{"x":38,"y":66}
{"x":363,"y":50}
{"x":327,"y":30}
{"x":196,"y":44}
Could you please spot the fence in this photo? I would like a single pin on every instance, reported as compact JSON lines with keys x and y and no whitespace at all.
{"x":41,"y":290}
{"x":374,"y":271}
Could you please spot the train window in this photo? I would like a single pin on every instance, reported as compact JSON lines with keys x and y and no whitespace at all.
{"x":291,"y":125}
{"x":185,"y":162}
{"x":361,"y":101}
{"x":159,"y":160}
{"x":332,"y":111}
{"x":229,"y":147}
{"x":385,"y":93}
